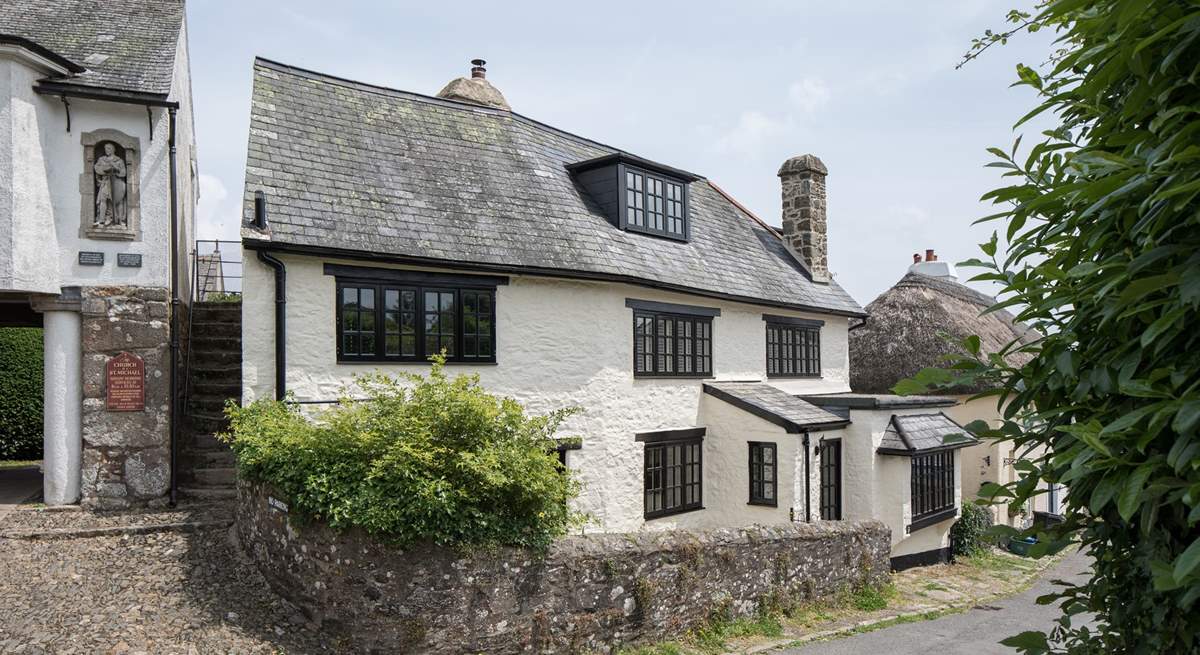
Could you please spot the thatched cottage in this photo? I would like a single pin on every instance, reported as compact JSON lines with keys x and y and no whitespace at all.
{"x":914,"y":325}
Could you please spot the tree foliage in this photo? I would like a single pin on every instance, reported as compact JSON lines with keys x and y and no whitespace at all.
{"x":1102,"y":221}
{"x":418,"y":459}
{"x":21,"y":393}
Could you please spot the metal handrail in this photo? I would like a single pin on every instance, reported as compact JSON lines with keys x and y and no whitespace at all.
{"x":199,"y":293}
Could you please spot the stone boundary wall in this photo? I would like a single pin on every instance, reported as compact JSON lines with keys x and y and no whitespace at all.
{"x":587,"y":594}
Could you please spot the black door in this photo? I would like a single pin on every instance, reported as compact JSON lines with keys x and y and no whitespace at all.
{"x":831,"y":480}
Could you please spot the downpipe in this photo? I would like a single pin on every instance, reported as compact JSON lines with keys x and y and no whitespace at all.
{"x":174,"y":322}
{"x":807,"y":483}
{"x":280,"y":322}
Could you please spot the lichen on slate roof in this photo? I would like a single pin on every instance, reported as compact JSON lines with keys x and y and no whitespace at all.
{"x":363,"y":169}
{"x":126,"y":45}
{"x":916,"y":433}
{"x":908,"y":327}
{"x":774,"y":405}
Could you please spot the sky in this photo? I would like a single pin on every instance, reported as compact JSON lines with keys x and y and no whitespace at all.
{"x":727,"y":90}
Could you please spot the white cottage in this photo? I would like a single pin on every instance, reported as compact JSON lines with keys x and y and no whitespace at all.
{"x":389,"y":225}
{"x":97,"y":190}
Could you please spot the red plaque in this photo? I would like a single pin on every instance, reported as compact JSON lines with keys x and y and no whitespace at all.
{"x":126,"y":382}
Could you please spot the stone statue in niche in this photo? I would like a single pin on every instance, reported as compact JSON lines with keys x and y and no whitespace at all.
{"x":112,"y":196}
{"x":110,"y":207}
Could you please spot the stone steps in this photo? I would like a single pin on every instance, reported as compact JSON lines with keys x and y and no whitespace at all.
{"x":207,"y":493}
{"x":207,"y":467}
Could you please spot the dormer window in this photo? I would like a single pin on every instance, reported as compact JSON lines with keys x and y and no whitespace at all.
{"x":637,"y":195}
{"x":654,"y":204}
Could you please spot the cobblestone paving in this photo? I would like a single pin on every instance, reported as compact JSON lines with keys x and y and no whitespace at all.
{"x":30,"y":519}
{"x":167,"y":592}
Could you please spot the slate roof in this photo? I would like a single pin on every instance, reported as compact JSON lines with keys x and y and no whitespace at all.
{"x":918,"y":433}
{"x":125,"y":45}
{"x":364,"y":171}
{"x":775,"y":405}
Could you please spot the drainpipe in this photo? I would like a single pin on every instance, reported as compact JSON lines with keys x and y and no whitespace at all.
{"x":807,"y":484}
{"x":174,"y":322}
{"x":858,"y":325}
{"x":280,"y":319}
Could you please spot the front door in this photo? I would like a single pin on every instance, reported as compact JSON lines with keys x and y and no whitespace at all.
{"x":831,"y":480}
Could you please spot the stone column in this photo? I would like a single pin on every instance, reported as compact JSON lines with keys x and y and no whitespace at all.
{"x":804,"y":228}
{"x":62,"y":397}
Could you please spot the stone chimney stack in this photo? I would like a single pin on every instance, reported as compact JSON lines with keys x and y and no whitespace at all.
{"x":804,"y":228}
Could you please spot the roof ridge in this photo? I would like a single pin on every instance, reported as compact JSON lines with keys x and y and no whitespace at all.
{"x":453,"y":104}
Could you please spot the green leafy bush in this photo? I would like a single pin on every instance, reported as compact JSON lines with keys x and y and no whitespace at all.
{"x":1099,"y":251}
{"x":419,"y":459}
{"x":969,"y":534}
{"x":21,"y":393}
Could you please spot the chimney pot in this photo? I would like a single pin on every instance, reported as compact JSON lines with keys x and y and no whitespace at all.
{"x":916,"y":258}
{"x":804,"y":218}
{"x":929,"y":256}
{"x":477,"y":69}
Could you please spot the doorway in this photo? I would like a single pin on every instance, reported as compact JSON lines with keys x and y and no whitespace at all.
{"x":21,"y":404}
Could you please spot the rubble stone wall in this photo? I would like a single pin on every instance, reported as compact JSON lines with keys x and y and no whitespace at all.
{"x":126,"y":455}
{"x":593,"y":593}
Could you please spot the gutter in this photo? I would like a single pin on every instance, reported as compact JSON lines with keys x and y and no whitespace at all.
{"x":174,"y":322}
{"x":280,"y":322}
{"x":538,"y":271}
{"x":52,"y":88}
{"x":854,"y":327}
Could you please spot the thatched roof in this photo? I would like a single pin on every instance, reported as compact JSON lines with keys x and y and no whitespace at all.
{"x":907,"y":330}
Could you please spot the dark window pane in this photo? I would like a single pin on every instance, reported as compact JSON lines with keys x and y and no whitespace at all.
{"x":366,"y":298}
{"x":408,"y":346}
{"x":391,"y":299}
{"x":392,"y":344}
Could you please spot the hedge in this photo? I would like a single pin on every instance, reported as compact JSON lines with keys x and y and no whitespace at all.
{"x":21,"y":393}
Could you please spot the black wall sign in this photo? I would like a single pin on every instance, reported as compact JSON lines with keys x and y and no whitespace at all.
{"x":129,"y":260}
{"x":87,"y":258}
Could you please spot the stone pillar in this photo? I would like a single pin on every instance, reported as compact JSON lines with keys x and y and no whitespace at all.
{"x":804,"y":228}
{"x":62,"y":397}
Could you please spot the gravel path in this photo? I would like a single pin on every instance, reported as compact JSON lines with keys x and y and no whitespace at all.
{"x":166,"y":592}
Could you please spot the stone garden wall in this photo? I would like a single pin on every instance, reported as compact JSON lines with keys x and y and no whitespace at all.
{"x":126,"y":455}
{"x":587,"y":594}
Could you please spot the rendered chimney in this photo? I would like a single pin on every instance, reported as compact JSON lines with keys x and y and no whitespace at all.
{"x":804,"y":220}
{"x":932,"y":267}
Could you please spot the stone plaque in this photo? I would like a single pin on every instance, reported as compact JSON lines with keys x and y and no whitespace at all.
{"x":125,"y":379}
{"x":129,"y":260}
{"x":88,"y":258}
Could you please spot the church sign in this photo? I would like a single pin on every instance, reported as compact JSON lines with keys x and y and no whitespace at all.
{"x":125,"y":379}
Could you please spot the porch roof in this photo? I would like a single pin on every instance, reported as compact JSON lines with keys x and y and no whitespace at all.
{"x":781,"y":408}
{"x":916,"y":434}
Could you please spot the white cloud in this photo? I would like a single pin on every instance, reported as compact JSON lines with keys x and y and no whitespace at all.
{"x":809,"y":94}
{"x":752,"y":132}
{"x":218,"y":216}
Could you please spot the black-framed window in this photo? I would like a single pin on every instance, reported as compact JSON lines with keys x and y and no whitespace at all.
{"x":831,"y":480}
{"x":932,"y":484}
{"x":386,"y":321}
{"x":764,"y":474}
{"x":671,"y":345}
{"x":655,"y":204}
{"x":793,"y":350}
{"x":674,"y":473}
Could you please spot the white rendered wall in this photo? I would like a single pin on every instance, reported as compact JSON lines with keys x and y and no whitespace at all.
{"x":28,"y":244}
{"x":560,"y":343}
{"x":879,"y":486}
{"x":63,"y":396}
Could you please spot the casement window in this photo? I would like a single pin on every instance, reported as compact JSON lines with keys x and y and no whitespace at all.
{"x":932,"y":488}
{"x":654,"y":204}
{"x":764,"y":474}
{"x":671,"y":340}
{"x":793,"y":347}
{"x":409,"y":318}
{"x":673,"y":470}
{"x":831,"y":480}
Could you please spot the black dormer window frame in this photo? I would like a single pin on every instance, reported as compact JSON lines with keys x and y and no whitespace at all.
{"x":657,"y":199}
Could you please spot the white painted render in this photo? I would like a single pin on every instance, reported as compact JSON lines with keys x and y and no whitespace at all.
{"x":991,"y":461}
{"x":563,"y":343}
{"x":878,"y":486}
{"x":40,"y":168}
{"x":63,"y":402}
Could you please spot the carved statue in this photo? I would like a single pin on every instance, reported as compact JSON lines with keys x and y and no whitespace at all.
{"x":112,"y":198}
